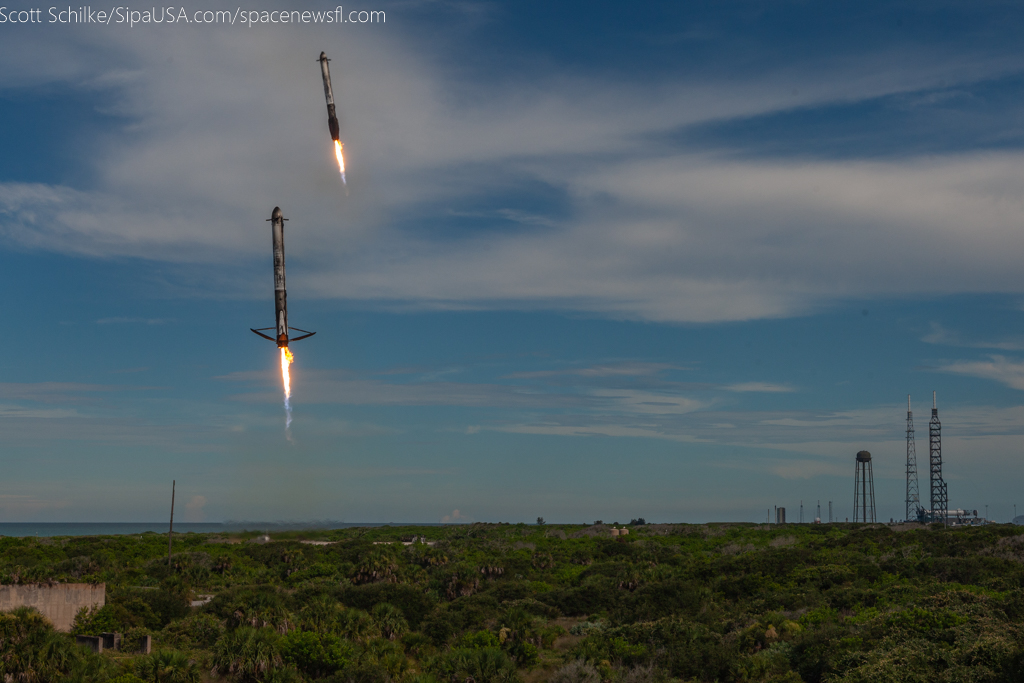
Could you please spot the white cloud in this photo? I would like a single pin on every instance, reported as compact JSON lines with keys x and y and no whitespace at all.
{"x":455,"y":517}
{"x":647,"y":232}
{"x":940,"y":335}
{"x":194,"y":509}
{"x":18,"y":505}
{"x":997,"y":368}
{"x":127,"y":320}
{"x":759,"y":387}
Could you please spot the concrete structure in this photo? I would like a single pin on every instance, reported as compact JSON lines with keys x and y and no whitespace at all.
{"x":94,"y":643}
{"x":111,"y":641}
{"x":615,"y":532}
{"x":58,"y":602}
{"x":780,"y":515}
{"x":201,"y":600}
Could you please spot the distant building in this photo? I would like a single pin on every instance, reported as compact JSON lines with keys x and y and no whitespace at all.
{"x":780,"y":515}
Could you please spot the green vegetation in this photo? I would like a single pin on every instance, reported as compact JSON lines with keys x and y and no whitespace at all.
{"x":499,"y":603}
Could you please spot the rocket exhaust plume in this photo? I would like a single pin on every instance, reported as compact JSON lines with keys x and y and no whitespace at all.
{"x":338,"y":147}
{"x":282,"y":329}
{"x":332,"y":117}
{"x":286,"y":380}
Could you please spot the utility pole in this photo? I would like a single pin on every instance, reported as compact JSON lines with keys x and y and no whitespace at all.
{"x":830,"y":512}
{"x":801,"y":512}
{"x":170,"y":531}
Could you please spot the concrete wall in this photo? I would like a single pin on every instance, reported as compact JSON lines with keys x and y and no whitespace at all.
{"x":59,"y":603}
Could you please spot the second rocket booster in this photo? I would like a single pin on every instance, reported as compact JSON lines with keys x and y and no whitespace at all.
{"x":332,"y":115}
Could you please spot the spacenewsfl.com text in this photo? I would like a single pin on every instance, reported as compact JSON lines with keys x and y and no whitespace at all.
{"x":127,"y":16}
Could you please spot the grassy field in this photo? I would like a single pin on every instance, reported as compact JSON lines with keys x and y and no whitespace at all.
{"x":563,"y":603}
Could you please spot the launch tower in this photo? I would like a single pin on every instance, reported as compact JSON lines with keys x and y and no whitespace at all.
{"x":939,"y":496}
{"x":913,"y":490}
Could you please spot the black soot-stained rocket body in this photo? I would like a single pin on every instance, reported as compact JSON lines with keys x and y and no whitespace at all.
{"x":281,"y":328}
{"x":332,"y":114}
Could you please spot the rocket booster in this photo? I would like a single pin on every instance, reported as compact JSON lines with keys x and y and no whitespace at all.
{"x":332,"y":115}
{"x":281,"y":329}
{"x":280,"y":291}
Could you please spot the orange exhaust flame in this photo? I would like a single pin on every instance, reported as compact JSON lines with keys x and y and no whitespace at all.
{"x":341,"y":159}
{"x":286,"y":359}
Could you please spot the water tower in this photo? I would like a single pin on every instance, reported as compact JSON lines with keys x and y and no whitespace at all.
{"x":863,"y":489}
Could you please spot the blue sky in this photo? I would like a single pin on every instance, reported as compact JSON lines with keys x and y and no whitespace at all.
{"x":597,"y":261}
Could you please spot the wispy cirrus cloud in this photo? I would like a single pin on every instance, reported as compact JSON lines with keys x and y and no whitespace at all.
{"x":942,"y":336}
{"x":759,"y":387}
{"x":660,"y":229}
{"x":132,"y":321}
{"x":625,"y":369}
{"x":54,"y":392}
{"x":997,"y":368}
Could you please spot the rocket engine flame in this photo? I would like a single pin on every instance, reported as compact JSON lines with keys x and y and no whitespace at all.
{"x":341,"y":159}
{"x":286,"y":359}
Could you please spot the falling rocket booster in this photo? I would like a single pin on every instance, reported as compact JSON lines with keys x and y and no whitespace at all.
{"x":277,"y":220}
{"x":332,"y":115}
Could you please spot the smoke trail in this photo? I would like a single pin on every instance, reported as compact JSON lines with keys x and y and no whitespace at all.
{"x":341,"y":161}
{"x":286,"y":378}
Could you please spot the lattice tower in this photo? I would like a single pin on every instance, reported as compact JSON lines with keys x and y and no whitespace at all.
{"x":939,"y":496}
{"x":913,"y":489}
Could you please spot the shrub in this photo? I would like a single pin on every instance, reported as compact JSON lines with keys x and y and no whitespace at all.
{"x":248,"y":653}
{"x":389,"y":620}
{"x":576,"y":671}
{"x":479,"y":639}
{"x":197,"y":630}
{"x":486,"y":665}
{"x":316,"y":654}
{"x":167,"y":667}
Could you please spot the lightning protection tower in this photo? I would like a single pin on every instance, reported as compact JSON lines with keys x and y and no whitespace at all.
{"x":939,"y":496}
{"x":863,"y":489}
{"x":913,"y":490}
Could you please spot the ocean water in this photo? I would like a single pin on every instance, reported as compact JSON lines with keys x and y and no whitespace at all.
{"x":115,"y":528}
{"x":100,"y":528}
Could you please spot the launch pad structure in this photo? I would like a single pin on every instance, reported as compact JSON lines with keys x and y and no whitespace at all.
{"x":913,"y":490}
{"x":938,"y":498}
{"x":939,"y":494}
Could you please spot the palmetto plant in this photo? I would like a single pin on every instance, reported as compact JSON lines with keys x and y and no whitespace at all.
{"x":517,"y":623}
{"x":263,"y":609}
{"x":168,"y":667}
{"x":389,"y":620}
{"x":376,"y":567}
{"x":357,"y":625}
{"x":248,"y":653}
{"x":29,"y":649}
{"x":321,"y":614}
